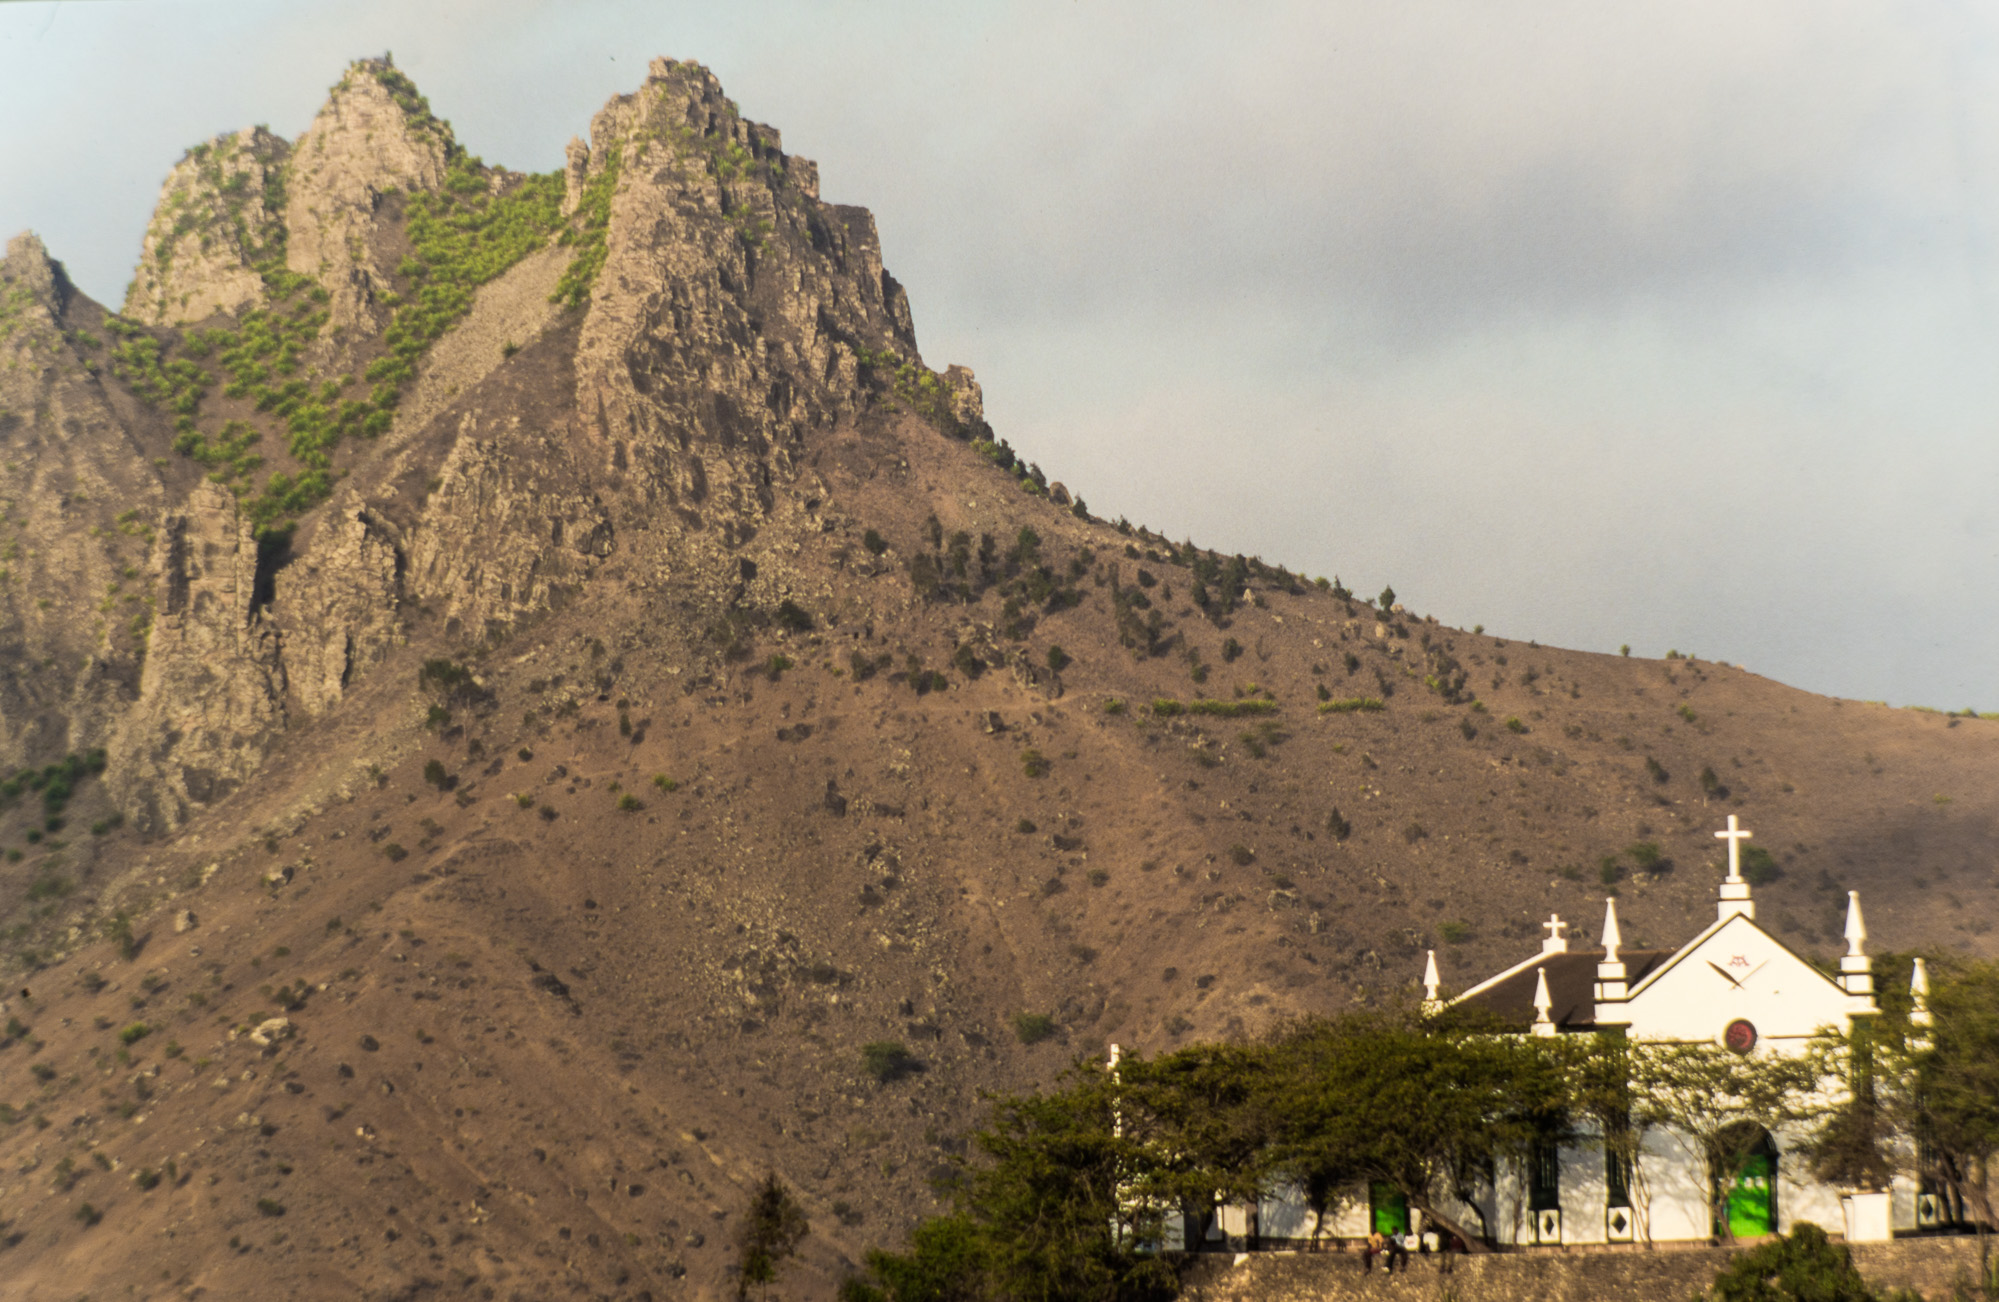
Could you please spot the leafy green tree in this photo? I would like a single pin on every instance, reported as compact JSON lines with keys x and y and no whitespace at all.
{"x":1065,"y":1198}
{"x":1849,"y":1149}
{"x":945,"y":1263}
{"x":1423,"y":1107}
{"x":1207,"y":1116}
{"x":1064,"y":1204}
{"x":1941,"y":1083}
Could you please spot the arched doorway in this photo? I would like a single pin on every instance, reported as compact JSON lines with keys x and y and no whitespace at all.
{"x":1750,"y":1195}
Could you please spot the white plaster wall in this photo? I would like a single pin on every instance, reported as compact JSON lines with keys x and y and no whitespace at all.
{"x":1902,"y":1211}
{"x":1585,"y":1192}
{"x":1799,"y":1196}
{"x":1350,"y":1219}
{"x":1674,"y":1193}
{"x":1468,"y":1216}
{"x":1283,"y":1214}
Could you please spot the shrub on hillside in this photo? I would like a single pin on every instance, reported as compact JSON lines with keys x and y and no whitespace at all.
{"x":889,"y":1060}
{"x":1033,"y":1028}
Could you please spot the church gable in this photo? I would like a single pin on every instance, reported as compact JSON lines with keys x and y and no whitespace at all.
{"x":1735,"y":983}
{"x":1735,"y":972}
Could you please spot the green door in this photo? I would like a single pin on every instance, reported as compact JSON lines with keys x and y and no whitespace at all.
{"x":1390,"y":1209}
{"x":1752,"y":1200}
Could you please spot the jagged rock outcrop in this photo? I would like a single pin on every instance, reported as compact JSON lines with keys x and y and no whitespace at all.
{"x":77,"y":490}
{"x":510,"y":528}
{"x":733,"y":310}
{"x":221,"y":213}
{"x":375,"y":134}
{"x":338,"y":606}
{"x":968,"y":401}
{"x":211,"y":699}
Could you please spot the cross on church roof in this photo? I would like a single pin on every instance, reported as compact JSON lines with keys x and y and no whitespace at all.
{"x":1735,"y":836}
{"x":1556,"y":942}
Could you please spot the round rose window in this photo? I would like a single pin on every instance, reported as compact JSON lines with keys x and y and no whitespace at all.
{"x":1740,"y":1036}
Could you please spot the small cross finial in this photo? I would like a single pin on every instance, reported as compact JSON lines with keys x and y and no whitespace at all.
{"x":1735,"y":836}
{"x":1556,"y":941}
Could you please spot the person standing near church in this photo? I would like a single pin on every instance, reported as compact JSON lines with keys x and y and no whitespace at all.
{"x":1368,"y":1250}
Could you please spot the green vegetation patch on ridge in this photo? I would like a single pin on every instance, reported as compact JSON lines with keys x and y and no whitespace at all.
{"x":1352,"y":705}
{"x":465,"y":235}
{"x":1167,"y":706}
{"x":587,"y":232}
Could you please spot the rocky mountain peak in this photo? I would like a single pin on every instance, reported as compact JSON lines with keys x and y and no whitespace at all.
{"x":220,"y":215}
{"x":374,"y":136}
{"x":32,"y":279}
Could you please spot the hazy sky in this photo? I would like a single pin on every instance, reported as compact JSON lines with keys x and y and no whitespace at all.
{"x":1664,"y":324}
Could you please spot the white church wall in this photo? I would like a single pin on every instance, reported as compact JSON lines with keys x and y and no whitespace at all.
{"x":1469,"y":1214}
{"x":1511,"y":1221}
{"x":1282,"y":1213}
{"x":1674,"y":1180}
{"x":1800,"y":1197}
{"x":1349,"y":1219}
{"x":1585,"y":1191}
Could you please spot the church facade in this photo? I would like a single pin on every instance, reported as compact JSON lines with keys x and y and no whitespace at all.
{"x":1735,"y":985}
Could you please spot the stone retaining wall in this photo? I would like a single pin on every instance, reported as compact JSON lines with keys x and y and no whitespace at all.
{"x":1931,"y":1266}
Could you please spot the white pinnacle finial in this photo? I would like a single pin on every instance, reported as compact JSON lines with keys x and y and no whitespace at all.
{"x":1612,"y":977}
{"x":1556,"y":943}
{"x":1919,"y":996}
{"x":1430,"y":979}
{"x":1735,"y":836}
{"x":1543,"y":1024}
{"x":1856,"y":970}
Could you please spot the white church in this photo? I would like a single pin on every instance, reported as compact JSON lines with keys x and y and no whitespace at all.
{"x":1734,"y":984}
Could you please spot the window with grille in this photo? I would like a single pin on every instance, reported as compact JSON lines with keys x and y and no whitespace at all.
{"x":1544,"y":1176}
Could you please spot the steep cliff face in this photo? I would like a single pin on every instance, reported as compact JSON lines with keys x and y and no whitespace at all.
{"x":211,"y":699}
{"x":79,"y":497}
{"x":220,"y":214}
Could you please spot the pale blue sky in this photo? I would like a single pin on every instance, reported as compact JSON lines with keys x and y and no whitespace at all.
{"x":1665,"y":324}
